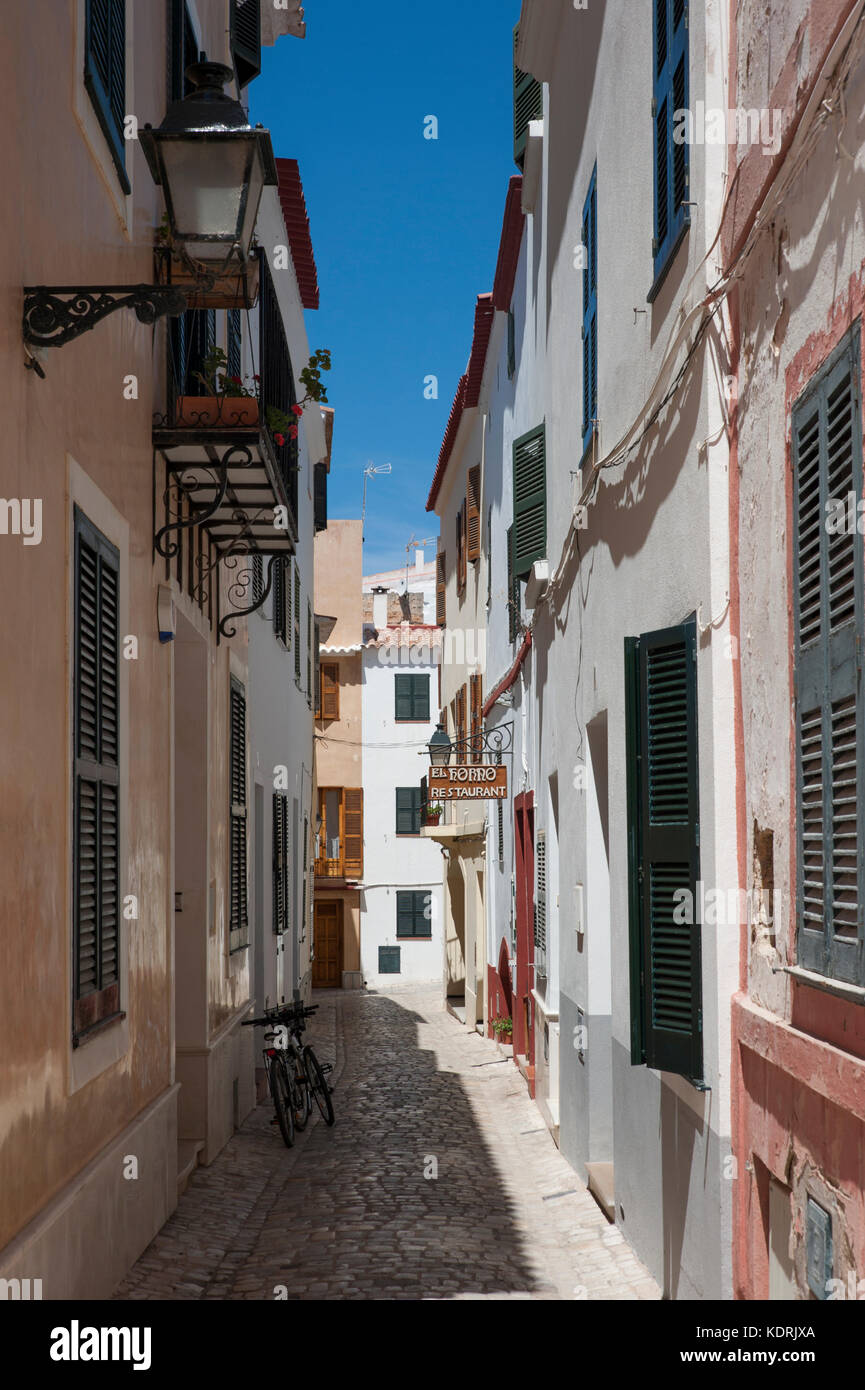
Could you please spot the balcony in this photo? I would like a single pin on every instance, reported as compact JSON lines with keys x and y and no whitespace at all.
{"x":222,"y":470}
{"x":339,"y":849}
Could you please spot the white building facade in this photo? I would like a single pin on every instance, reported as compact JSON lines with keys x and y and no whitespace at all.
{"x":401,"y":934}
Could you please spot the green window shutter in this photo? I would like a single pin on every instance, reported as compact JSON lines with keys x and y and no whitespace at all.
{"x":666,"y":849}
{"x":105,"y":74}
{"x":669,"y":95}
{"x":279,"y":625}
{"x":413,"y":916}
{"x":530,"y":501}
{"x":388,"y":960}
{"x":403,"y":697}
{"x":590,"y":311}
{"x":296,"y":624}
{"x":828,"y":606}
{"x":237,"y":874}
{"x":408,"y":801}
{"x":513,"y":590}
{"x":512,"y":345}
{"x":309,"y":653}
{"x":420,"y":690}
{"x":636,"y":971}
{"x":96,"y":871}
{"x":245,"y":27}
{"x":280,"y":862}
{"x":528,"y":105}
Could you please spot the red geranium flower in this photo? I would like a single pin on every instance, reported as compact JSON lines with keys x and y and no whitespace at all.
{"x":236,"y":380}
{"x":298,"y":410}
{"x":279,"y":439}
{"x":292,"y":431}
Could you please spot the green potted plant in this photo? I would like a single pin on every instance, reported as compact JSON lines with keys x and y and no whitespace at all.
{"x":434,"y":813}
{"x":224,"y":399}
{"x":503,"y":1029}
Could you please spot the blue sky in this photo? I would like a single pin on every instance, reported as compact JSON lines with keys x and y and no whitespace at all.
{"x":405,"y":230}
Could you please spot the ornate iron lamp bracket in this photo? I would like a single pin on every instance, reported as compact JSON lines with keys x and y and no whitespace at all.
{"x":55,"y":314}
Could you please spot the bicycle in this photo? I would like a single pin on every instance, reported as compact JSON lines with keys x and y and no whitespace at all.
{"x":293,"y":1071}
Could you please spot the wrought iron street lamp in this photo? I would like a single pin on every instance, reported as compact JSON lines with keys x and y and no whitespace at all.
{"x":440,"y":747}
{"x":212,"y":166}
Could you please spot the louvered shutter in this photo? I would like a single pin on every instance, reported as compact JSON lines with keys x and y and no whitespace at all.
{"x":513,"y":590}
{"x":408,"y":810}
{"x":330,"y":690}
{"x":670,"y":89}
{"x":280,"y":861}
{"x":256,"y":580}
{"x":828,"y":603}
{"x":512,"y":345}
{"x":405,"y":914}
{"x":530,"y":501}
{"x":424,"y":799}
{"x":96,"y":878}
{"x":105,"y":74}
{"x":420,"y":697}
{"x":403,"y":696}
{"x":279,"y":574}
{"x":528,"y":105}
{"x":473,"y":513}
{"x":296,"y":624}
{"x":246,"y":39}
{"x":441,"y":589}
{"x":590,"y":311}
{"x":237,"y":886}
{"x":541,"y":903}
{"x":476,"y":693}
{"x":353,"y":813}
{"x":319,"y":499}
{"x":664,"y":839}
{"x":309,"y":653}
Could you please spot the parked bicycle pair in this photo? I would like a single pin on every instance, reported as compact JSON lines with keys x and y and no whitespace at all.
{"x":294,"y":1074}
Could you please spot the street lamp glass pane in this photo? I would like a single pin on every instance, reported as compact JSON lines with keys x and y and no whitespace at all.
{"x":206,"y":180}
{"x":256,"y":184}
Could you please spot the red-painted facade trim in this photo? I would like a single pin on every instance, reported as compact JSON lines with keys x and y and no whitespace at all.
{"x":508,"y":680}
{"x":509,"y":246}
{"x":294,"y":214}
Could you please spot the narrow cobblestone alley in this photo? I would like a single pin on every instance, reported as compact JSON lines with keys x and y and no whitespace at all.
{"x":348,"y":1213}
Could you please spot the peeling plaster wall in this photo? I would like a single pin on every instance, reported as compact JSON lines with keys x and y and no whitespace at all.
{"x":800,"y":1053}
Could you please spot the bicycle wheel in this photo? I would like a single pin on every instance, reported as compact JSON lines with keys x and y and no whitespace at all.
{"x":318,"y":1085}
{"x":300,"y":1094}
{"x":280,"y":1089}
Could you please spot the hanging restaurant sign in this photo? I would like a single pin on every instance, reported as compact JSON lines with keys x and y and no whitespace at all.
{"x":468,"y":782}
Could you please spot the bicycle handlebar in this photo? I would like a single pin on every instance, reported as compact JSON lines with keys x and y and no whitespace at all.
{"x":283,"y":1012}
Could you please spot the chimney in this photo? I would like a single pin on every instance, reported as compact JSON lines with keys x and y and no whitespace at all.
{"x":379,"y":608}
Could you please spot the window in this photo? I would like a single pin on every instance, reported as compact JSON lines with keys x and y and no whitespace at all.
{"x":828,"y":605}
{"x":441,"y":589}
{"x":328,"y":691}
{"x":388,"y":960}
{"x":473,"y":513}
{"x":296,"y":625}
{"x":237,"y":887}
{"x":461,"y":548}
{"x":319,"y":496}
{"x":670,"y":87}
{"x":663,"y":853}
{"x":245,"y":26}
{"x":528,"y":105}
{"x":514,"y":598}
{"x":590,"y":311}
{"x":414,"y":914}
{"x":96,"y":780}
{"x":408,"y":810}
{"x":280,"y":862}
{"x":411,"y":698}
{"x":476,"y":688}
{"x":530,"y":500}
{"x":460,"y":724}
{"x":512,"y":345}
{"x":280,"y":630}
{"x":340,"y":840}
{"x":105,"y":74}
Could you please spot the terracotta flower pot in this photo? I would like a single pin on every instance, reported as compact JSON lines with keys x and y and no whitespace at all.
{"x":210,"y":412}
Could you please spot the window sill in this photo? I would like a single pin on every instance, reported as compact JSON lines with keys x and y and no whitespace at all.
{"x":414,"y":938}
{"x":81,"y":1039}
{"x":662,"y":274}
{"x":853,"y":994}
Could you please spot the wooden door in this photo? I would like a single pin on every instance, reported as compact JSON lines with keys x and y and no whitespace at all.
{"x":327,"y":966}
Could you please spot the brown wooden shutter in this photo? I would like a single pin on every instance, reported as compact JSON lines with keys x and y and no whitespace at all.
{"x":353,"y":853}
{"x":329,"y":690}
{"x":476,"y":717}
{"x":441,"y":589}
{"x":237,"y":891}
{"x":473,"y":513}
{"x":463,"y":545}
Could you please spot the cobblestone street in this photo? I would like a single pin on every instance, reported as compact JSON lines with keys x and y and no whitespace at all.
{"x":348,"y":1213}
